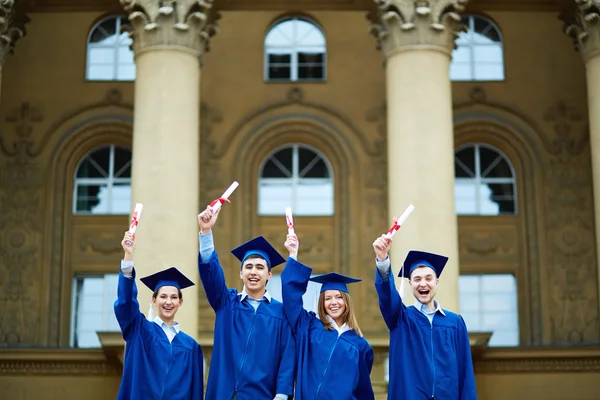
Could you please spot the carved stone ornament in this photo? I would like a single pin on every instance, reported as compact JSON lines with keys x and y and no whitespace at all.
{"x":405,"y":24}
{"x":582,"y":24}
{"x":186,"y":24}
{"x":12,"y":27}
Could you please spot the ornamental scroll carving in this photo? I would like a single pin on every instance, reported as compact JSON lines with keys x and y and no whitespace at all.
{"x":402,"y":24}
{"x":12,"y":26}
{"x":187,"y":24}
{"x":572,"y":272}
{"x":21,"y":182}
{"x":582,"y":24}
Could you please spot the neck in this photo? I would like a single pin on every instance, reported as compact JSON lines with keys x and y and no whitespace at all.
{"x":339,"y":322}
{"x":169,"y":321}
{"x":255,"y":294}
{"x":431,"y":305}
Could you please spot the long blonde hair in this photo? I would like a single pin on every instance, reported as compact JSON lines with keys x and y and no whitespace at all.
{"x":348,"y":316}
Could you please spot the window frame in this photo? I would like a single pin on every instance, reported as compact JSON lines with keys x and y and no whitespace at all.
{"x":478,"y":180}
{"x":471,"y":44}
{"x":295,"y":180}
{"x":110,"y":181}
{"x":292,"y":47}
{"x":116,"y":47}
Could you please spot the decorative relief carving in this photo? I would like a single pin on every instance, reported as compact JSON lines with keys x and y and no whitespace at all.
{"x":402,"y":24}
{"x":490,"y":244}
{"x":581,"y":18}
{"x":103,"y":244}
{"x":180,"y":23}
{"x":572,"y":270}
{"x":12,"y":26}
{"x":211,"y":182}
{"x":377,"y":171}
{"x":20,"y":231}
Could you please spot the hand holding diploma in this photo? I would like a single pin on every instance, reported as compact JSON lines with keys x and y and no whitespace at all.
{"x":216,"y":204}
{"x":135,"y":220}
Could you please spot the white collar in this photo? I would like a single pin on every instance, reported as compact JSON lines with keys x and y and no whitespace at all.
{"x":163,"y":324}
{"x":423,"y":308}
{"x":243,"y":293}
{"x":339,"y":329}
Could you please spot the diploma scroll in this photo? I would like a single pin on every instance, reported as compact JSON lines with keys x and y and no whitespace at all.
{"x":217,"y":203}
{"x":289,"y":220}
{"x":400,"y":221}
{"x":135,"y":220}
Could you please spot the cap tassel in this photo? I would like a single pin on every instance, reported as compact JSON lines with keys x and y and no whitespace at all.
{"x":150,"y":313}
{"x":402,"y":284}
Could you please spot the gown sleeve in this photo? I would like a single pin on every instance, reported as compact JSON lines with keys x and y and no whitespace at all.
{"x":294,"y":281}
{"x":213,"y":280}
{"x":127,"y":307}
{"x":390,"y":303}
{"x":287,"y":365}
{"x":466,"y":375}
{"x":365,"y":388}
{"x":197,"y":374}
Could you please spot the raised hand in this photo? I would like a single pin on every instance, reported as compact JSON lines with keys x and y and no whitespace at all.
{"x":207,"y":219}
{"x":382,"y":245}
{"x":292,"y":244}
{"x":128,"y":238}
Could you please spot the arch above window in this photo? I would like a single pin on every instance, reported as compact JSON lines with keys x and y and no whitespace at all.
{"x":109,"y":56}
{"x":296,"y":176}
{"x":485,"y":181}
{"x":479,"y":55}
{"x":102,"y":183}
{"x":295,"y":50}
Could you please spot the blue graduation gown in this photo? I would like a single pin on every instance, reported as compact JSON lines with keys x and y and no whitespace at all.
{"x":154,"y":368}
{"x":253,"y":355}
{"x":329,"y":366}
{"x":425,"y":359}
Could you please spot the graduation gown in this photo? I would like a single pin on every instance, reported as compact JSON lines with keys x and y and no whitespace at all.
{"x":426,"y":359}
{"x":253,"y":355}
{"x":154,"y":368}
{"x":329,"y":366}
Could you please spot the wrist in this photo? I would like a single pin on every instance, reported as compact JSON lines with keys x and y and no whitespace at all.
{"x":128,"y":257}
{"x":205,"y":231}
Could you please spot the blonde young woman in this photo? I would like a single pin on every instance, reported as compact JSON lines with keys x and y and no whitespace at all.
{"x":334,"y":360}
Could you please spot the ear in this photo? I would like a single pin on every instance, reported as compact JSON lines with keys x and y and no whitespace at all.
{"x":269,"y":275}
{"x":181,"y":301}
{"x":241,"y":273}
{"x":153,"y":301}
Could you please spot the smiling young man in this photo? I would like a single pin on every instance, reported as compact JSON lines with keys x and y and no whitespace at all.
{"x":430,"y":353}
{"x":254,"y":353}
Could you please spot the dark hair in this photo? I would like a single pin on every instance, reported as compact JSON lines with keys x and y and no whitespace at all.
{"x":253,"y":256}
{"x":155,"y":294}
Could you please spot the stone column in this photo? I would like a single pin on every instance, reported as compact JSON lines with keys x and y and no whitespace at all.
{"x":168,"y":42}
{"x":12,"y":28}
{"x":416,"y":38}
{"x":582,"y":23}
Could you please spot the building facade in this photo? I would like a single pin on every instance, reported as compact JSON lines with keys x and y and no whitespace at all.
{"x":483,"y":114}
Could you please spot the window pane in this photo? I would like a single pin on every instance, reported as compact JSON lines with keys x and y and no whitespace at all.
{"x":460,"y":71}
{"x":487,"y":54}
{"x":285,"y":158}
{"x":311,"y":58}
{"x":122,"y":163}
{"x":466,"y":158}
{"x":280,"y":73}
{"x":310,"y":72}
{"x":88,"y":197}
{"x":317,"y":170}
{"x":126,"y":72}
{"x":101,"y":72}
{"x":486,"y":205}
{"x":121,"y":198}
{"x":280,"y":58}
{"x":314,"y":198}
{"x":125,"y":55}
{"x":101,"y":55}
{"x":465,"y":197}
{"x":461,"y":55}
{"x":489,"y":72}
{"x":273,"y":198}
{"x":272,"y":170}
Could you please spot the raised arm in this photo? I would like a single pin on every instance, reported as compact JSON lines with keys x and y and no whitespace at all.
{"x":287,"y":364}
{"x":294,"y":281}
{"x":209,"y":267}
{"x":127,"y":307}
{"x":390,"y":303}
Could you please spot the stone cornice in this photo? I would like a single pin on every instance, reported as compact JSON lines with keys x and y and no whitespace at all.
{"x":408,"y":24}
{"x":56,"y":362}
{"x":12,"y":26}
{"x":582,"y":24}
{"x":184,"y":24}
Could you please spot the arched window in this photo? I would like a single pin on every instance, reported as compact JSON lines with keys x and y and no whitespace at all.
{"x":109,"y":56}
{"x":295,"y":176}
{"x":103,"y":182}
{"x":485,"y":181}
{"x":479,"y":55}
{"x":295,"y":50}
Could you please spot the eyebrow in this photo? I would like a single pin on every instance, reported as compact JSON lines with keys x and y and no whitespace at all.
{"x":252,"y":264}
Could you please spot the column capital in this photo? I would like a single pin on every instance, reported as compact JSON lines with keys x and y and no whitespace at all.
{"x":184,"y":24}
{"x":582,"y":24}
{"x":408,"y":24}
{"x":12,"y":26}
